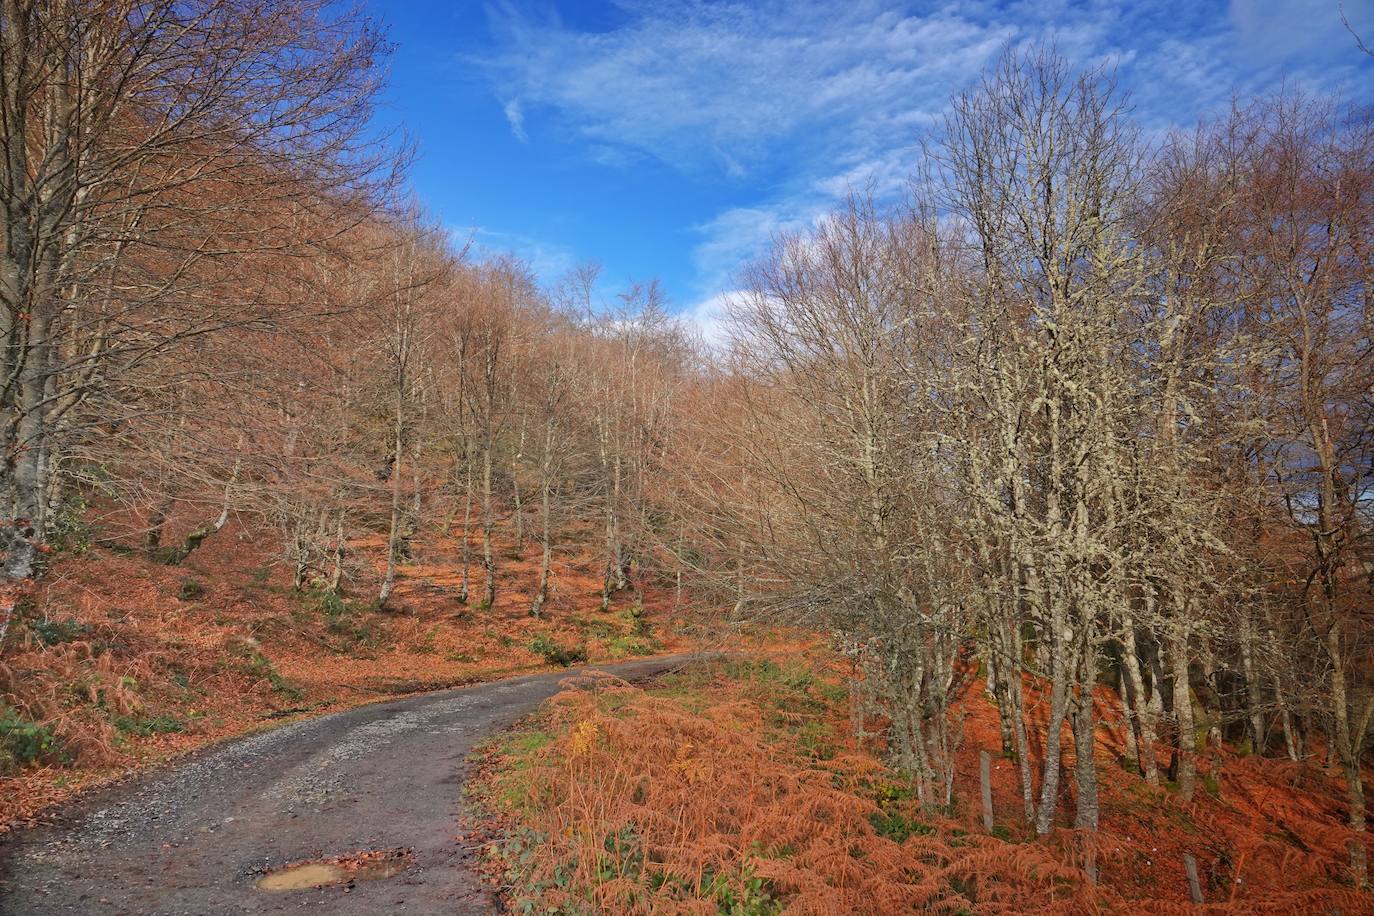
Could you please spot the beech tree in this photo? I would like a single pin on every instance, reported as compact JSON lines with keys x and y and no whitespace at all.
{"x":154,"y":150}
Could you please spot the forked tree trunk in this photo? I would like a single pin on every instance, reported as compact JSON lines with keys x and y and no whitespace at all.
{"x":191,"y":543}
{"x":1139,"y":713}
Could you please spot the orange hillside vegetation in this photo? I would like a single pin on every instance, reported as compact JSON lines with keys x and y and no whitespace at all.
{"x":120,"y":661}
{"x":738,"y":787}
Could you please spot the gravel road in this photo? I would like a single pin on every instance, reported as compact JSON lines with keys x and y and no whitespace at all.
{"x":192,"y":839}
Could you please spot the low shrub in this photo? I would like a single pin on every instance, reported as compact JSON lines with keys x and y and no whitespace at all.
{"x":24,"y":742}
{"x":191,"y":589}
{"x":557,"y":654}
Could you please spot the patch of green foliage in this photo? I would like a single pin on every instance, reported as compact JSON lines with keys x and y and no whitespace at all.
{"x":519,"y":750}
{"x":747,"y":895}
{"x":191,"y":589}
{"x":69,"y":532}
{"x":351,"y":621}
{"x":143,"y":726}
{"x":255,"y":664}
{"x":556,"y":654}
{"x":897,"y":825}
{"x":621,"y":646}
{"x":51,"y":632}
{"x":24,"y":742}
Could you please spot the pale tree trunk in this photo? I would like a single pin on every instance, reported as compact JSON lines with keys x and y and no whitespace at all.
{"x":1209,"y":701}
{"x":1254,"y":700}
{"x":465,"y":587}
{"x":1348,"y":739}
{"x":1128,"y":730}
{"x":336,"y":569}
{"x":515,"y":486}
{"x":1183,"y":708}
{"x":393,"y":537}
{"x":541,"y":593}
{"x":488,"y":527}
{"x":1291,"y":741}
{"x":1087,"y":811}
{"x":614,"y":580}
{"x":1138,"y":704}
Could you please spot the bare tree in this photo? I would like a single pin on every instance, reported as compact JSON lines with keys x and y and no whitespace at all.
{"x":168,"y":145}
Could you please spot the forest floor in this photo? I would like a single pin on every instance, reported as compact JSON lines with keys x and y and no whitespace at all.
{"x":739,"y":787}
{"x":119,"y":662}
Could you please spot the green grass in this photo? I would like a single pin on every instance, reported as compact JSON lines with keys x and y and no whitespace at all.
{"x":143,"y":726}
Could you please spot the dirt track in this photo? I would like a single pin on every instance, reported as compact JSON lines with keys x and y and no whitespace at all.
{"x":195,"y":837}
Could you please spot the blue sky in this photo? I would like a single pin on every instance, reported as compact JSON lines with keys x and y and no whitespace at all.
{"x":672,"y":139}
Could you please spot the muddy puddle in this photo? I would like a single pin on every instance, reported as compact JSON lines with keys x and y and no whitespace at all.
{"x":362,"y":866}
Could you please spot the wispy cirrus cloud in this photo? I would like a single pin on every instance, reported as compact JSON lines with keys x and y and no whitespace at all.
{"x":548,"y":261}
{"x":727,"y":86}
{"x":797,"y":103}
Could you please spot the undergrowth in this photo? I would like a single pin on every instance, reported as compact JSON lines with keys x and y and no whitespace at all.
{"x":555,"y":653}
{"x":732,"y":789}
{"x":738,"y":788}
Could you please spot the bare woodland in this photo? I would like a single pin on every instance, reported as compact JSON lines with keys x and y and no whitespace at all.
{"x":1085,"y":414}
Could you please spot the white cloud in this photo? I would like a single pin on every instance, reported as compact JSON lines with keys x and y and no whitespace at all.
{"x":726,"y":85}
{"x":795,"y":103}
{"x":710,"y":319}
{"x":515,"y":115}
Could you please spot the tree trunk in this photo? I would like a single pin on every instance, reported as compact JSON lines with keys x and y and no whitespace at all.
{"x":1344,"y":740}
{"x":1183,"y":712}
{"x":152,"y":538}
{"x":541,"y":593}
{"x":1128,"y":728}
{"x":465,"y":586}
{"x":1059,"y":703}
{"x":1087,"y":811}
{"x":393,"y":538}
{"x":1140,"y":713}
{"x":1254,"y":698}
{"x":488,"y":529}
{"x":515,"y":487}
{"x":336,"y":570}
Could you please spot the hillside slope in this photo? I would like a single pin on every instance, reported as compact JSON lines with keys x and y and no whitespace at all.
{"x":119,"y":661}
